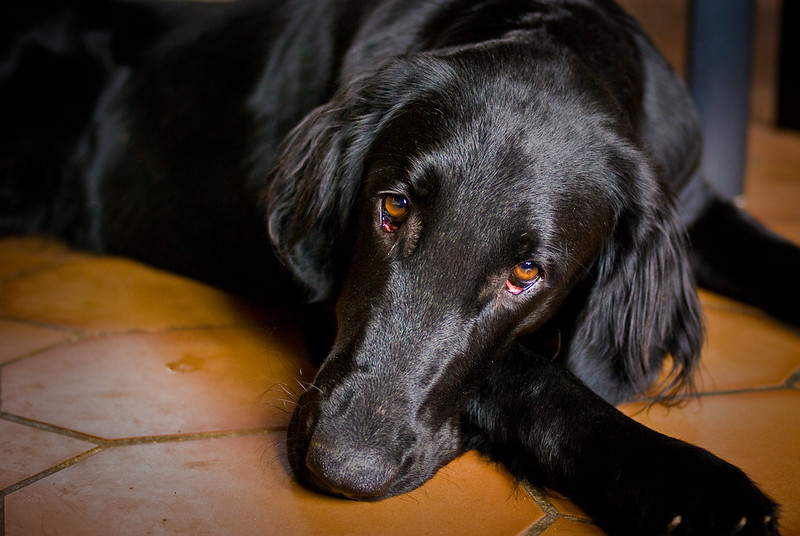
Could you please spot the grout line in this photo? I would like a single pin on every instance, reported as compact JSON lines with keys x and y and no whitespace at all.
{"x":539,"y":526}
{"x":78,"y":337}
{"x":197,"y":436}
{"x":742,"y":391}
{"x":540,"y":498}
{"x":681,"y":398}
{"x":45,"y":427}
{"x":139,"y":440}
{"x":47,"y":472}
{"x":88,"y":332}
{"x":39,"y":324}
{"x":794,"y":380}
{"x":101,"y":445}
{"x":551,"y":513}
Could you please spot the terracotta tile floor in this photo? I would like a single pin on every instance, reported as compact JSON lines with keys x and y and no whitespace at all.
{"x":139,"y":402}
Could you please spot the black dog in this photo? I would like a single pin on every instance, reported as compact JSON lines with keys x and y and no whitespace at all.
{"x":484,"y":188}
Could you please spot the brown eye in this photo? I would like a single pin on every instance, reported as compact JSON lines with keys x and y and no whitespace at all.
{"x":395,"y":206}
{"x":395,"y":210}
{"x":523,"y":276}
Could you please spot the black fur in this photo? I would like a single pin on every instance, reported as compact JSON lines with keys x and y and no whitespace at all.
{"x":547,"y":132}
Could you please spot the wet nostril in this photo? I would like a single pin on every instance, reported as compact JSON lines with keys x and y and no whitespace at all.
{"x":362,"y":474}
{"x":318,"y":460}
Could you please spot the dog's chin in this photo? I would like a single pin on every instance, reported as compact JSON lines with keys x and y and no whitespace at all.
{"x":312,"y":481}
{"x":403,"y":483}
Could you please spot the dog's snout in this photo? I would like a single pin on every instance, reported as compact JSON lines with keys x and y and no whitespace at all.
{"x":380,"y":420}
{"x":362,"y":474}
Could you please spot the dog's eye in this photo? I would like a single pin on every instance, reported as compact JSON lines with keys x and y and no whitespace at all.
{"x":394,"y":209}
{"x":523,"y":276}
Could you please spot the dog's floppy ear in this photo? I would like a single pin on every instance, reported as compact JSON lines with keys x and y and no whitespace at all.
{"x":643,"y":304}
{"x":320,"y":165}
{"x":314,"y":183}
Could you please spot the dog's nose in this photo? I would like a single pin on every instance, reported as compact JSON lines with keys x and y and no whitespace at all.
{"x":363,"y":474}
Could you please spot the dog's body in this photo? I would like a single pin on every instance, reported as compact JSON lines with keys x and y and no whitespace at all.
{"x":483,"y":188}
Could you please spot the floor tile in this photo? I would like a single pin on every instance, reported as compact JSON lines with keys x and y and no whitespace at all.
{"x":712,"y":300}
{"x":745,"y":351}
{"x":175,"y":382}
{"x":18,"y":339}
{"x":772,"y":188}
{"x":26,"y":451}
{"x":110,"y":294}
{"x":241,"y":486}
{"x":757,"y":431}
{"x":22,"y":255}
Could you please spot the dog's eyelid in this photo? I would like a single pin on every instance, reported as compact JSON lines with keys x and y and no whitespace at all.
{"x":399,"y":191}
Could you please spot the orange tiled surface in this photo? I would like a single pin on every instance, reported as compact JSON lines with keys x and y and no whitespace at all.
{"x":138,"y":402}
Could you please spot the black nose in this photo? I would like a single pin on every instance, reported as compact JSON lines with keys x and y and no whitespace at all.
{"x":364,"y":474}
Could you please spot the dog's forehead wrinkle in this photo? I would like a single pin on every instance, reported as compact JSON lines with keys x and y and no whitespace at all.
{"x":504,"y":169}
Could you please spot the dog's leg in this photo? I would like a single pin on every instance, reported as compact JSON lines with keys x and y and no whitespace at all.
{"x":548,"y":428}
{"x":735,"y":255}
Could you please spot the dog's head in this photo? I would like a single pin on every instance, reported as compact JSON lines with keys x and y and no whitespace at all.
{"x":450,"y":204}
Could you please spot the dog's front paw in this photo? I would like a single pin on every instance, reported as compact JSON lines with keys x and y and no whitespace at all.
{"x":738,"y":510}
{"x":700,"y":494}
